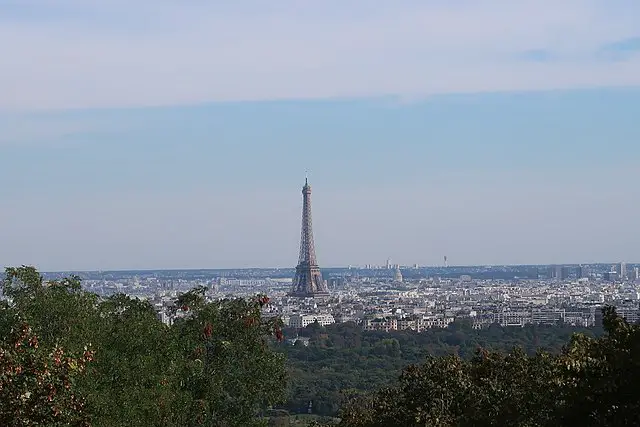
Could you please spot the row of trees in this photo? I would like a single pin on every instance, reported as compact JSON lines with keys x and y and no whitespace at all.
{"x":69,"y":359}
{"x":591,"y":382}
{"x":342,"y":360}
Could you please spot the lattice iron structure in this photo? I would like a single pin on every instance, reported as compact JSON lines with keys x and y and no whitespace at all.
{"x":308,"y":279}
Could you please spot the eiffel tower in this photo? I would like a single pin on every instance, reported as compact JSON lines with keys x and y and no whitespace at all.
{"x":308,"y":279}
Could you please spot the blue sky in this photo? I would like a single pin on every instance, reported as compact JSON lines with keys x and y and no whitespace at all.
{"x":177,"y":135}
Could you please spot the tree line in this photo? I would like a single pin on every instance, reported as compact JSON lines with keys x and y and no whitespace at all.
{"x":342,"y":361}
{"x":592,"y":381}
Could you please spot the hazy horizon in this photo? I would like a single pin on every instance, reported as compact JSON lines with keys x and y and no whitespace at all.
{"x":176,"y":136}
{"x":328,"y":267}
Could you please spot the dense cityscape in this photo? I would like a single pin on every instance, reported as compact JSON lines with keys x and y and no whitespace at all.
{"x":392,"y":297}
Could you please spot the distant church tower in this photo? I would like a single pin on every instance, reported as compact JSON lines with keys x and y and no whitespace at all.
{"x":308,"y":279}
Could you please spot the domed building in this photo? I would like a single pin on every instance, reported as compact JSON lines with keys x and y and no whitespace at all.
{"x":397,"y":276}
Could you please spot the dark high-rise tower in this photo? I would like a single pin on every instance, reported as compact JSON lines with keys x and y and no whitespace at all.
{"x":308,"y":279}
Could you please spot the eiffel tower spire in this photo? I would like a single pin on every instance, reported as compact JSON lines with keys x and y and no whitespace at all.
{"x":308,"y":279}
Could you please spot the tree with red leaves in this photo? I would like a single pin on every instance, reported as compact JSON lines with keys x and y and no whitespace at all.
{"x":38,"y":386}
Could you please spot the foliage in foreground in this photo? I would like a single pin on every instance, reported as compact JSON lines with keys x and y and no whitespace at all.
{"x":593,"y":381}
{"x":68,"y":359}
{"x":37,"y":385}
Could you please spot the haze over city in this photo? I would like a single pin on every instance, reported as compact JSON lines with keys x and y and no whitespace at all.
{"x":158,"y":135}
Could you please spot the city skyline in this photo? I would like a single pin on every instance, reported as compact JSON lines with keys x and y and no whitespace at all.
{"x":496,"y":135}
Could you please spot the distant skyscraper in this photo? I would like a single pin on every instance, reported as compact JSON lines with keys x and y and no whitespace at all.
{"x":446,"y":263}
{"x":556,"y":272}
{"x":308,"y":279}
{"x":622,"y":270}
{"x":388,"y":263}
{"x":612,"y":275}
{"x":636,"y":273}
{"x":583,"y":272}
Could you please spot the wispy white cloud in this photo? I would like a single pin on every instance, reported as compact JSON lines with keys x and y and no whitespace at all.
{"x":27,"y":129}
{"x":115,"y":53}
{"x":21,"y":129}
{"x":622,"y":50}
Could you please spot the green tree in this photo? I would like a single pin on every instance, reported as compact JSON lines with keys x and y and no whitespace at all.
{"x":59,"y":311}
{"x":133,"y":380}
{"x":214,"y":367}
{"x":229,"y":370}
{"x":601,"y":376}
